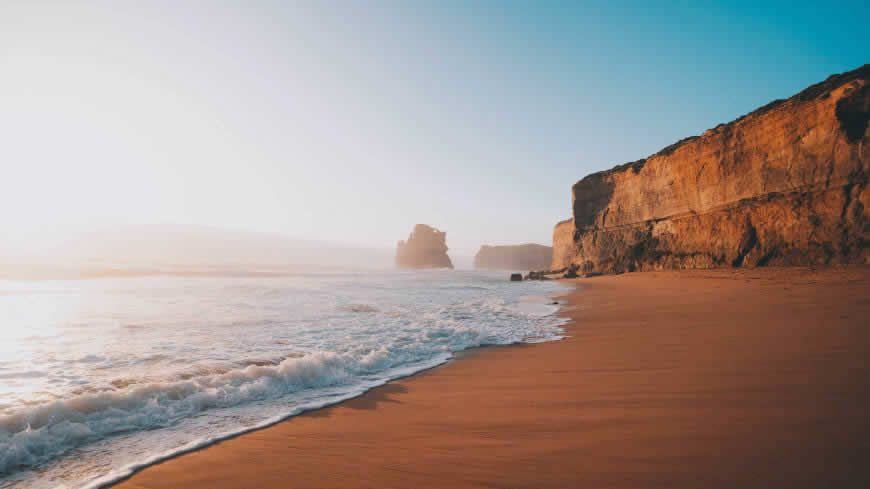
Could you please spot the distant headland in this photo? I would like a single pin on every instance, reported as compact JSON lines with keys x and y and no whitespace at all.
{"x":514,"y":257}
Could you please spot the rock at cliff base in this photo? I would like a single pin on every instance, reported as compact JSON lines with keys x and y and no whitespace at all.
{"x":426,"y":247}
{"x":516,"y":277}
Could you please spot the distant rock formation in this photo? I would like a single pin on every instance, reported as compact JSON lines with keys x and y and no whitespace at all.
{"x":783,"y":185}
{"x":426,"y":248}
{"x":516,"y":257}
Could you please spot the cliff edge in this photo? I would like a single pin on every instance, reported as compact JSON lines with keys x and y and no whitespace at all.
{"x":426,"y":247}
{"x":515,"y":257}
{"x":783,"y":185}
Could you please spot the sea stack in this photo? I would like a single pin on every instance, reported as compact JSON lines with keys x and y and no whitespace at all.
{"x":426,"y":247}
{"x":516,"y":257}
{"x":783,"y":185}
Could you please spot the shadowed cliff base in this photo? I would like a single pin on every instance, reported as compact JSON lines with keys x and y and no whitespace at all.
{"x":783,"y":185}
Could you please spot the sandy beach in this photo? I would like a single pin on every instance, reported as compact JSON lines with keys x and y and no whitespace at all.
{"x":723,"y":378}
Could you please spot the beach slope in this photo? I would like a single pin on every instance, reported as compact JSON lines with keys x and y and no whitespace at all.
{"x":722,"y":378}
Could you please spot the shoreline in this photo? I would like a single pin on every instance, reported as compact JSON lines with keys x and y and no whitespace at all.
{"x":115,"y":479}
{"x":603,"y":407}
{"x":110,"y":480}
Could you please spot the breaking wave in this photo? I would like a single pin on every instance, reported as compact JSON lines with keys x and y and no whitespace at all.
{"x":37,"y":434}
{"x":198,"y":398}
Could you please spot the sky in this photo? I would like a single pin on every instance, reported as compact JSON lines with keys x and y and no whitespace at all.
{"x":352,"y":121}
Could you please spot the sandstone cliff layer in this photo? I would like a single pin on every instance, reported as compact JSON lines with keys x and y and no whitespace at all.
{"x":426,"y":247}
{"x":516,"y":257}
{"x":783,"y":185}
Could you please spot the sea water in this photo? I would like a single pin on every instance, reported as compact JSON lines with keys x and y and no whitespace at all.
{"x":101,"y":377}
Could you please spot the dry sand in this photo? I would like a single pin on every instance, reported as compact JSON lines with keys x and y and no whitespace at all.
{"x":726,"y":379}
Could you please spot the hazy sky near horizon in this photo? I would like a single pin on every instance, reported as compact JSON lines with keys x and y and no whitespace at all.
{"x":352,"y":121}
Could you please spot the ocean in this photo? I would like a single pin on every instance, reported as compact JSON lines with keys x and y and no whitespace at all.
{"x":101,"y":377}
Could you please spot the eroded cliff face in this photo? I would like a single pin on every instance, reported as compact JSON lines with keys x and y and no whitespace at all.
{"x":564,"y":248}
{"x":784,"y":185}
{"x":515,"y":257}
{"x":426,"y":247}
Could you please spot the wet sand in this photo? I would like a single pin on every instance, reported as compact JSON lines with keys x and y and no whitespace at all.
{"x":722,"y":379}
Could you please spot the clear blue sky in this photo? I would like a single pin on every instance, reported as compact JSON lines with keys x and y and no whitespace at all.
{"x":354,"y":121}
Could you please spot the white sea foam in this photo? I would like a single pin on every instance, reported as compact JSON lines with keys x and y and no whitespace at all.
{"x":277,"y":348}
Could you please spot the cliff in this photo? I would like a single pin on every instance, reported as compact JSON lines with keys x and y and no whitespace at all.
{"x":426,"y":247}
{"x":517,"y":257}
{"x":783,"y":185}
